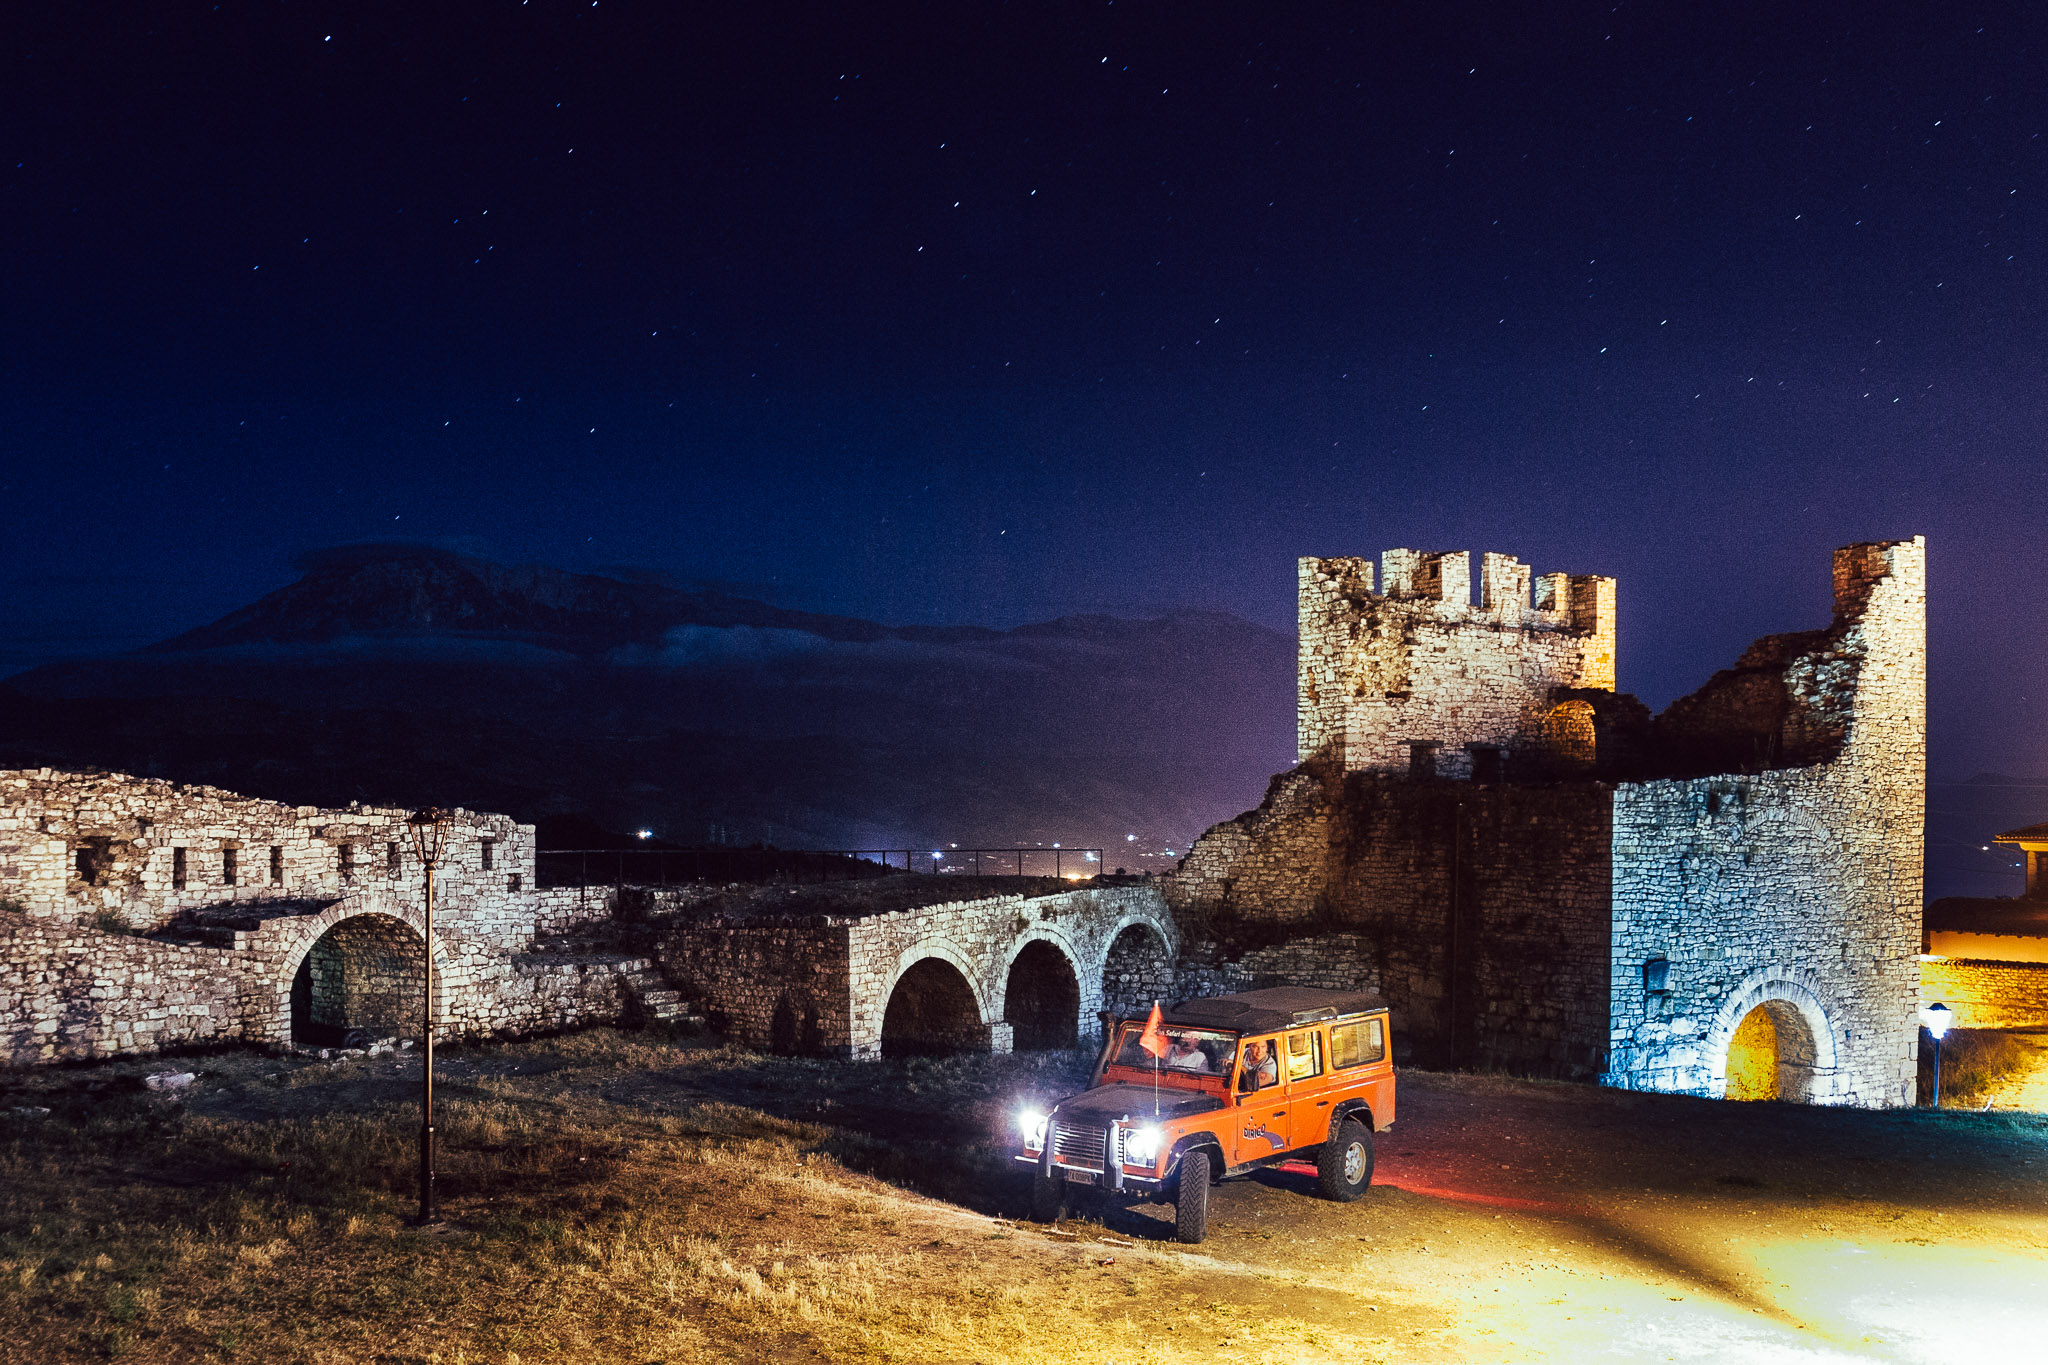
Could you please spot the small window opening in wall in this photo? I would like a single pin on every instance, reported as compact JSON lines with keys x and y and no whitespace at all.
{"x":487,"y":845}
{"x":178,"y":868}
{"x":391,"y":862}
{"x":276,"y":865}
{"x":230,"y":866}
{"x":1713,"y":803}
{"x":1422,"y":758}
{"x":345,"y":859}
{"x":1488,"y":761}
{"x":1657,"y":976}
{"x":512,"y":882}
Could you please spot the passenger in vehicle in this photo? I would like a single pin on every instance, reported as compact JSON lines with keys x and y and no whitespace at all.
{"x":1186,"y":1055}
{"x":1261,"y":1068}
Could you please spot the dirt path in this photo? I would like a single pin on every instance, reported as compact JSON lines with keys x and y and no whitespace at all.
{"x":1513,"y":1221}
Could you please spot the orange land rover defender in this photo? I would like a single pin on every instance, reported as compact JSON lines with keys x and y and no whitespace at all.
{"x":1241,"y":1081}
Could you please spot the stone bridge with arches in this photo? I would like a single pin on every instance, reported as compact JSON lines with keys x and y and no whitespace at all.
{"x":990,"y":974}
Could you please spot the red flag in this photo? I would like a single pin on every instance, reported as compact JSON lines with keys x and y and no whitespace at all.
{"x":1153,"y":1039}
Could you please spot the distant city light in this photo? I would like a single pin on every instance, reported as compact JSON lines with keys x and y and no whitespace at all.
{"x":645,"y":833}
{"x":1130,"y":838}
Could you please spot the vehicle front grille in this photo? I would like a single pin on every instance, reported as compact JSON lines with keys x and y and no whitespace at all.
{"x":1077,"y":1144}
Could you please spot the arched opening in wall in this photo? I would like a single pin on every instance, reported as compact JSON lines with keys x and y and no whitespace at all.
{"x":1771,"y":1055}
{"x":361,"y":980}
{"x":1567,"y":736}
{"x":932,"y":1012}
{"x":1042,"y":1001}
{"x":793,"y":1031}
{"x":1137,"y":971}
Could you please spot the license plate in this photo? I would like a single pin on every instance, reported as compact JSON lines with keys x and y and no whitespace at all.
{"x":1075,"y":1177}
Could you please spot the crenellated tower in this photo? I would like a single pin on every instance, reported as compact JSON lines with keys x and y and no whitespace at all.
{"x":1415,"y":675}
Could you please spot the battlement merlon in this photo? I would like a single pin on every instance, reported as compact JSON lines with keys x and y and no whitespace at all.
{"x":1413,"y":659}
{"x":1580,"y":603}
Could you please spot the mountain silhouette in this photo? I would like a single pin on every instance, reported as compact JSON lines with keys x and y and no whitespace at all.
{"x":405,"y":674}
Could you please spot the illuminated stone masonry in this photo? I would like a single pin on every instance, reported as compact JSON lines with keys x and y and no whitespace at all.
{"x":137,"y":914}
{"x":1548,"y":879}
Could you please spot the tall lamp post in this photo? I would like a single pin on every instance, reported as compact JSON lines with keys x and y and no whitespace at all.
{"x":1937,"y":1017}
{"x":427,"y":826}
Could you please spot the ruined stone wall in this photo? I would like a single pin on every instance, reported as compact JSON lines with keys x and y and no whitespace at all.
{"x":69,"y":992}
{"x":1987,"y":994}
{"x":1338,"y":962}
{"x":746,"y":972}
{"x":133,"y":853}
{"x":1418,"y":662}
{"x":1799,"y":884}
{"x":1485,"y":907}
{"x":1272,"y":861}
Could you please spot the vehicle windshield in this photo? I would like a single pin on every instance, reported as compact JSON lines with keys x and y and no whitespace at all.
{"x":1188,"y":1051}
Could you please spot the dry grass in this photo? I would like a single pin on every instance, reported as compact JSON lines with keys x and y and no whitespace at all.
{"x":579,"y":1229}
{"x":1975,"y":1063}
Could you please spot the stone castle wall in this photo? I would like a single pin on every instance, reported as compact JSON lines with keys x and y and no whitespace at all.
{"x":1525,"y":918}
{"x":1417,"y":662}
{"x":69,"y":992}
{"x":138,"y":914}
{"x":134,"y":853}
{"x":1987,"y":994}
{"x":1796,"y":884}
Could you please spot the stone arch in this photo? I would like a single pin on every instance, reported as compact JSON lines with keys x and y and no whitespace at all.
{"x":1771,"y":1039}
{"x":286,"y":943}
{"x":1137,"y":966}
{"x":363,"y":978}
{"x":932,"y":1010}
{"x":1568,"y":733}
{"x":1042,"y":996}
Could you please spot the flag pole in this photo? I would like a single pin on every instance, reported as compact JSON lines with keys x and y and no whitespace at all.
{"x":1155,"y":1072}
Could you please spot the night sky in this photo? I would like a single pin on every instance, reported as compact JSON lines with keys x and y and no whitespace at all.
{"x":975,"y":313}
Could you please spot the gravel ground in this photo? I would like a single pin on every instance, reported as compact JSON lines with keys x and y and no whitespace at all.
{"x":1509,"y":1220}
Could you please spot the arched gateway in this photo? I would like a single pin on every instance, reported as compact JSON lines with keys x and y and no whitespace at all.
{"x":1771,"y":1040}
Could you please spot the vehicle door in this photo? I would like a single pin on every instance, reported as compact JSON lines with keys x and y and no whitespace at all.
{"x":1303,"y":1063}
{"x":1260,"y":1127}
{"x":1359,"y":1065}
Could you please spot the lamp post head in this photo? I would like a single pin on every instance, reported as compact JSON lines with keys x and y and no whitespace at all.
{"x":427,"y":826}
{"x":1937,"y":1018}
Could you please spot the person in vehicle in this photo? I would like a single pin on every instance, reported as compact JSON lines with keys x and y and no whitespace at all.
{"x":1261,"y":1067}
{"x":1186,"y":1055}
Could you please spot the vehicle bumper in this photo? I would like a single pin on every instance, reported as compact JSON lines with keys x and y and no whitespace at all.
{"x":1127,"y":1179}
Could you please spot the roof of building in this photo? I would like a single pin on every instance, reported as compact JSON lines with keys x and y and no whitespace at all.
{"x":1276,"y":1007}
{"x":1986,"y":915}
{"x":2028,"y":834}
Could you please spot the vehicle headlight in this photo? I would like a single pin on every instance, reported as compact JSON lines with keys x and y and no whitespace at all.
{"x":1141,"y":1145}
{"x":1031,"y":1123}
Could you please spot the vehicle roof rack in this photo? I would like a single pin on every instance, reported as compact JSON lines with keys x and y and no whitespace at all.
{"x":1276,"y":1007}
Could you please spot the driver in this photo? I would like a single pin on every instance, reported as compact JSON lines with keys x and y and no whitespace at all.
{"x":1261,"y":1067}
{"x":1186,"y":1056}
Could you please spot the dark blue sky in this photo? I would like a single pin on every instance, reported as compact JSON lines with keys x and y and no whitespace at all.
{"x":985,"y":313}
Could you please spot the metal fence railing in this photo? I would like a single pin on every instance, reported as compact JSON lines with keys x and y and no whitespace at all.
{"x":682,"y":866}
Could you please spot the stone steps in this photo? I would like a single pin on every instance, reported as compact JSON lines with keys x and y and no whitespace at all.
{"x":658,"y":1001}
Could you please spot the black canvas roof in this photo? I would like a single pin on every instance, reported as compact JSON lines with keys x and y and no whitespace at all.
{"x":1276,"y":1007}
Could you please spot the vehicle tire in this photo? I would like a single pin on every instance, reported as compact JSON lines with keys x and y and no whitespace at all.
{"x":1345,"y":1163}
{"x":1191,"y":1199}
{"x":1048,"y":1196}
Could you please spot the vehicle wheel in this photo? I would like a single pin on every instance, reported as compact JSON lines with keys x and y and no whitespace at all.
{"x":1048,"y":1196}
{"x":1191,"y":1199}
{"x":1345,"y":1163}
